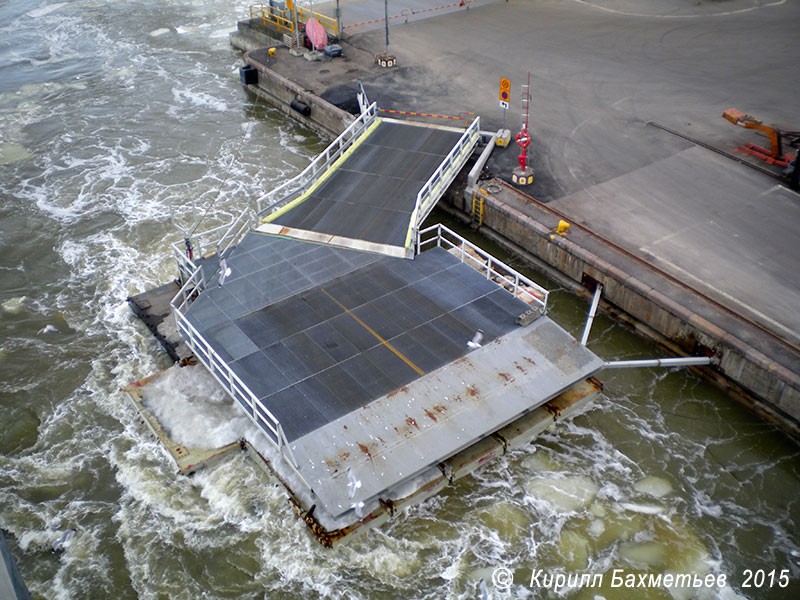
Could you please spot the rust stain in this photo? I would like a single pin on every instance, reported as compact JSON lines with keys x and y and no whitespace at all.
{"x":530,"y":360}
{"x":506,"y":377}
{"x":364,"y":449}
{"x":345,"y":426}
{"x":430,"y":415}
{"x":412,"y":421}
{"x":397,"y":391}
{"x":553,"y":410}
{"x":472,"y":391}
{"x":381,"y":440}
{"x":520,"y":368}
{"x":337,"y":462}
{"x":440,"y":409}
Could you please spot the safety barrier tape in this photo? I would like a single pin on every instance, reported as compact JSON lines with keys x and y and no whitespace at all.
{"x":465,"y":3}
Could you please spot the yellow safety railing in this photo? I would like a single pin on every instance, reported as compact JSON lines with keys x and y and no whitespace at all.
{"x":282,"y":19}
{"x":327,"y":22}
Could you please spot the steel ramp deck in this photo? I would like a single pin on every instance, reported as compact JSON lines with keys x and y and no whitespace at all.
{"x":395,"y":438}
{"x":316,"y":332}
{"x":364,"y":358}
{"x":368,"y":199}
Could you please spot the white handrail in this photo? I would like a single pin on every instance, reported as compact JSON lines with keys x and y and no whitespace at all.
{"x":218,"y":240}
{"x":223,"y":373}
{"x":276,"y":198}
{"x":507,"y":277}
{"x":443,"y":176}
{"x":235,"y":232}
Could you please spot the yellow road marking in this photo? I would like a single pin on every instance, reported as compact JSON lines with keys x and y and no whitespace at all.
{"x":397,"y":352}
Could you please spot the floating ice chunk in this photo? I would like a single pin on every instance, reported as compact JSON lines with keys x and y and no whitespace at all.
{"x":49,"y":328}
{"x":564,"y":494}
{"x":651,"y":554}
{"x":181,"y":29}
{"x":14,"y":305}
{"x":159,"y":32}
{"x":657,"y":487}
{"x":597,"y":509}
{"x":538,"y":461}
{"x":596,"y":528}
{"x":45,"y":10}
{"x":509,"y":521}
{"x":645,"y":509}
{"x":574,"y":550}
{"x":12,"y":152}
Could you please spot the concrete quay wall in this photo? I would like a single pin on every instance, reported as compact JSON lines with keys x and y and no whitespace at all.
{"x":770,"y":388}
{"x":324,"y":118}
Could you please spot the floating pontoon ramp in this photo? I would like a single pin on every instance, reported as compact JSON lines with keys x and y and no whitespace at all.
{"x":372,"y":187}
{"x":367,"y":370}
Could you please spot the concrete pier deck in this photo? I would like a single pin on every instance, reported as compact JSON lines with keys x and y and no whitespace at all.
{"x":609,"y":79}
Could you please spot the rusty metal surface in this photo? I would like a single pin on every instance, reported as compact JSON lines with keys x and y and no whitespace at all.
{"x":392,"y":439}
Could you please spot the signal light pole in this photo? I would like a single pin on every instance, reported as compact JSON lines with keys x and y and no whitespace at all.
{"x":523,"y":174}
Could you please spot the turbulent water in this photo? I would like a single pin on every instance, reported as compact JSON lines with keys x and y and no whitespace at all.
{"x":112,"y":112}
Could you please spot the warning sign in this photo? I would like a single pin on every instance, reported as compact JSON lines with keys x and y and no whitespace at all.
{"x":505,"y":89}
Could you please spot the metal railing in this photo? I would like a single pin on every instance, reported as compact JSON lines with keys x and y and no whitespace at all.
{"x":282,"y":19}
{"x":235,"y":232}
{"x":444,"y":175}
{"x":515,"y":282}
{"x":223,"y":373}
{"x":217,"y":240}
{"x":277,"y":198}
{"x":327,"y":22}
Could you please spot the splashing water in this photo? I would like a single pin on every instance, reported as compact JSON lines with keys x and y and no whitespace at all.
{"x":109,"y":112}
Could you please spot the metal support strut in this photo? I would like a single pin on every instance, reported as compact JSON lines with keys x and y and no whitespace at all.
{"x":592,"y":311}
{"x":690,"y":361}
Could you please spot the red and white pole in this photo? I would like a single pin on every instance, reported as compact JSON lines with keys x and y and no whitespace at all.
{"x":523,"y":175}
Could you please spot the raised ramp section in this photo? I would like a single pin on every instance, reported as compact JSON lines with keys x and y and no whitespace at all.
{"x":372,"y":191}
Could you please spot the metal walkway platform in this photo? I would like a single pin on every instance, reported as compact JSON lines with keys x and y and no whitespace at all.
{"x":317,"y":332}
{"x":398,"y":436}
{"x":373,"y":186}
{"x":352,"y":361}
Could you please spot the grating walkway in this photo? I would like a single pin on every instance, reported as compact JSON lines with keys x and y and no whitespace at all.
{"x":361,"y":356}
{"x":316,"y":332}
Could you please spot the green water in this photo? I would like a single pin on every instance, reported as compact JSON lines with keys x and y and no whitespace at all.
{"x":109,"y":113}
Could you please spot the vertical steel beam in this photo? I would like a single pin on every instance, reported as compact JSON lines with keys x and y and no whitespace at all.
{"x":592,"y":311}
